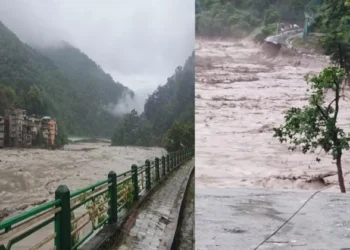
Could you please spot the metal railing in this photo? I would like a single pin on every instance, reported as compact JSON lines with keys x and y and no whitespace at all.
{"x":102,"y":203}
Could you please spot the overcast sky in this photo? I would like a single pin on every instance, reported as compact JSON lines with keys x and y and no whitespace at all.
{"x":138,"y":42}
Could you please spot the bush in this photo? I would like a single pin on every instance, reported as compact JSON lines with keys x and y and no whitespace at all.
{"x":272,"y":16}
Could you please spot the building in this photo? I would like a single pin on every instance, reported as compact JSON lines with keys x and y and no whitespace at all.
{"x":14,"y":121}
{"x":49,"y":130}
{"x":33,"y":127}
{"x":2,"y":132}
{"x":21,"y":130}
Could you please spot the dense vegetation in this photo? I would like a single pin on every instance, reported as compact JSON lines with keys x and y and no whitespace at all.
{"x":332,"y":19}
{"x":94,"y":90}
{"x":168,"y":117}
{"x":64,"y":83}
{"x":238,"y":18}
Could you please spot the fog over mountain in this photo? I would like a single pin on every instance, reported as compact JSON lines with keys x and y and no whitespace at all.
{"x":139,"y":43}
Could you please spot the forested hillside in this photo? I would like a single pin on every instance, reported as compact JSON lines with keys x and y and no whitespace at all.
{"x":333,"y":20}
{"x":68,"y":86}
{"x":93,"y":87}
{"x":238,"y":18}
{"x":168,"y":117}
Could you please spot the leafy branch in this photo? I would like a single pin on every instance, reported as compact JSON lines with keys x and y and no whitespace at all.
{"x":315,"y":125}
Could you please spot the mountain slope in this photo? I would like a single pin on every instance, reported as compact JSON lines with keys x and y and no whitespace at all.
{"x":21,"y":69}
{"x":63,"y":83}
{"x":95,"y":89}
{"x":168,"y":117}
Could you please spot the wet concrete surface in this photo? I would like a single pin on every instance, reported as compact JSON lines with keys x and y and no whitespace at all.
{"x":154,"y":227}
{"x":241,"y":219}
{"x":186,"y":239}
{"x":282,"y":37}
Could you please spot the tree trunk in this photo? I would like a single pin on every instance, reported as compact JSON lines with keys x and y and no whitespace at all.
{"x":340,"y":175}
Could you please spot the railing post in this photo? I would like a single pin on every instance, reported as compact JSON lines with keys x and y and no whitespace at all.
{"x":168,"y":163}
{"x":163,"y":166}
{"x":177,"y":159}
{"x":148,"y":174}
{"x":135,"y":182}
{"x":113,"y":206}
{"x":171,"y":161}
{"x":63,"y":239}
{"x":157,"y":168}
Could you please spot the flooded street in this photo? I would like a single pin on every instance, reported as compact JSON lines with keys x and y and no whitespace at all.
{"x":240,"y":96}
{"x":31,"y":176}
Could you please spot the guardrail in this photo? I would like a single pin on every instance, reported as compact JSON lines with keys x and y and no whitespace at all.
{"x":102,"y":203}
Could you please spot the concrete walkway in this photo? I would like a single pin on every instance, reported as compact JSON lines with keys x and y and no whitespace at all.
{"x":243,"y":218}
{"x":155,"y":225}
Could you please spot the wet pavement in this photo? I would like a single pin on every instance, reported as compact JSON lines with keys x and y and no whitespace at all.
{"x":155,"y":226}
{"x":243,"y":218}
{"x":283,"y":37}
{"x":185,"y":239}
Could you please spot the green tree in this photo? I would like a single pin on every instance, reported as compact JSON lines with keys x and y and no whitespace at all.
{"x":171,"y":102}
{"x":272,"y":16}
{"x":62,"y":136}
{"x":35,"y":102}
{"x":315,"y":125}
{"x":237,"y":18}
{"x":8,"y":98}
{"x":179,"y":136}
{"x":333,"y":20}
{"x":128,"y":130}
{"x":59,"y":81}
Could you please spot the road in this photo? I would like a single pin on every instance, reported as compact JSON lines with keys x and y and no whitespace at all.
{"x":243,"y":219}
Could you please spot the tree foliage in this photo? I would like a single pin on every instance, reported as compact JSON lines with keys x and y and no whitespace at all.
{"x":237,"y":18}
{"x":332,"y":19}
{"x":94,"y":90}
{"x":180,"y":135}
{"x":168,"y":110}
{"x":133,"y":130}
{"x":315,"y":125}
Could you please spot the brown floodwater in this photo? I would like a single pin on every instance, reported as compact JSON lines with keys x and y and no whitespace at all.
{"x":31,"y":176}
{"x":241,"y":94}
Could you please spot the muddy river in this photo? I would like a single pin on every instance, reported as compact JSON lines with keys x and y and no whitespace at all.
{"x":240,"y":96}
{"x":31,"y":176}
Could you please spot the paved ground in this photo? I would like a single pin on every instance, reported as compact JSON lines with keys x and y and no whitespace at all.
{"x":185,"y":238}
{"x":157,"y":221}
{"x":242,"y":218}
{"x":283,"y":37}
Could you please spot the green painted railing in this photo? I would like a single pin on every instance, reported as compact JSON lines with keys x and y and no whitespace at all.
{"x":102,"y":203}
